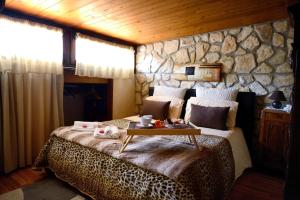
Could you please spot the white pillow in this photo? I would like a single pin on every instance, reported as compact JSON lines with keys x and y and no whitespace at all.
{"x":175,"y":105}
{"x":169,"y":91}
{"x":229,"y":94}
{"x":230,"y":123}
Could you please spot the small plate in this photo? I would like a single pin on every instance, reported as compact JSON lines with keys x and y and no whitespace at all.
{"x":139,"y":125}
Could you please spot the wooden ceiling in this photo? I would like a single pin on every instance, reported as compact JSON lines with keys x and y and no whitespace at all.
{"x":145,"y":21}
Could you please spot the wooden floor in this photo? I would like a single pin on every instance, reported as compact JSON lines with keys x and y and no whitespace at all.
{"x":254,"y":185}
{"x":251,"y":185}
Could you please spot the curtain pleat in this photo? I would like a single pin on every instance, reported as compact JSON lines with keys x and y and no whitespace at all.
{"x":31,"y":110}
{"x":31,"y":74}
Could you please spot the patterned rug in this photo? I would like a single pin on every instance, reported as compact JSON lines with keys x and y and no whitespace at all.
{"x":48,"y":189}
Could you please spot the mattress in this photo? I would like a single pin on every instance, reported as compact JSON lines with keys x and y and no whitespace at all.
{"x":237,"y":141}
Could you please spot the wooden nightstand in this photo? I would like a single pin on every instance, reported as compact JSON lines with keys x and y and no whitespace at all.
{"x":274,"y":139}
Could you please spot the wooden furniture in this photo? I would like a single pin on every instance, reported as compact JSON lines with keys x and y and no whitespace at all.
{"x":133,"y":130}
{"x":273,"y":139}
{"x":201,"y":72}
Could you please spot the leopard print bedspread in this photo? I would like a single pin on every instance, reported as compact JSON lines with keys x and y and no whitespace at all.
{"x":104,"y":177}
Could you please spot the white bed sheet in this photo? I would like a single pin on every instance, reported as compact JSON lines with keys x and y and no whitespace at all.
{"x":238,"y":144}
{"x":237,"y":141}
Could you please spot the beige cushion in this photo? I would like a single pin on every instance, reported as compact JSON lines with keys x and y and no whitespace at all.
{"x":229,"y":94}
{"x":230,"y":123}
{"x":169,"y":91}
{"x":175,"y":106}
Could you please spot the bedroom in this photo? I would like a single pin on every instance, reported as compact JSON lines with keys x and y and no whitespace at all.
{"x":64,"y":61}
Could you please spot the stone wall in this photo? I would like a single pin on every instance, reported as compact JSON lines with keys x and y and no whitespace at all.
{"x":254,"y":58}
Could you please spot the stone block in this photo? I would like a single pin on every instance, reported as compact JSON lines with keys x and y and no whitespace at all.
{"x":234,"y":31}
{"x":187,"y":41}
{"x":138,"y":98}
{"x":138,"y":87}
{"x":284,"y":68}
{"x":212,"y":57}
{"x":215,"y":48}
{"x":227,"y":62}
{"x":281,"y":26}
{"x":250,"y":43}
{"x":187,"y":84}
{"x":264,"y":31}
{"x":246,"y":31}
{"x":246,"y":79}
{"x":158,"y":47}
{"x":171,"y":83}
{"x":216,"y":37}
{"x":229,"y":45}
{"x":179,"y":69}
{"x":141,"y":78}
{"x":145,"y":90}
{"x":204,"y":37}
{"x":140,"y":56}
{"x":231,"y":79}
{"x":156,"y":62}
{"x":181,"y":56}
{"x":145,"y":65}
{"x":278,"y":40}
{"x":149,"y":77}
{"x":264,"y":52}
{"x":278,"y":58}
{"x":157,"y":77}
{"x":240,"y":51}
{"x":167,"y":67}
{"x":141,"y":48}
{"x":264,"y":79}
{"x":181,"y":77}
{"x":283,"y":80}
{"x":201,"y":49}
{"x":245,"y":63}
{"x":171,"y":46}
{"x":165,"y":77}
{"x":258,"y":88}
{"x":149,"y":48}
{"x":263,"y":68}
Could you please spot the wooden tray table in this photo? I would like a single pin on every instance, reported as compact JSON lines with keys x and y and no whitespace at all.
{"x":133,"y":130}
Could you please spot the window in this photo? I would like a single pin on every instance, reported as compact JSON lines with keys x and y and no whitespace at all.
{"x":31,"y":43}
{"x":97,"y":58}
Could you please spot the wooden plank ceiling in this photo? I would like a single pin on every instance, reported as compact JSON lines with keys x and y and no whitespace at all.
{"x":145,"y":21}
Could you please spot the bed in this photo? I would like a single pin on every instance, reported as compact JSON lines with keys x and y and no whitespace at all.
{"x":152,"y":167}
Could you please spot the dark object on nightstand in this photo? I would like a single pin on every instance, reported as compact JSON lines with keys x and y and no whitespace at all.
{"x":274,"y":140}
{"x":277,"y":96}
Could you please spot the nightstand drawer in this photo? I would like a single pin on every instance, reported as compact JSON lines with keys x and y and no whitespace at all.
{"x":277,"y":116}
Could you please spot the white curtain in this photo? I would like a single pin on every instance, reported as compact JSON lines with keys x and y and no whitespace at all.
{"x":31,"y":75}
{"x":29,"y":47}
{"x":97,"y":58}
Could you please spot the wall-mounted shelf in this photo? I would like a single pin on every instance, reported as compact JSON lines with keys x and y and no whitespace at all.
{"x":201,"y":72}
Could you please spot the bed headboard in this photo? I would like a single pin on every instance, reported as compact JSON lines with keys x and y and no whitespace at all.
{"x":245,"y":116}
